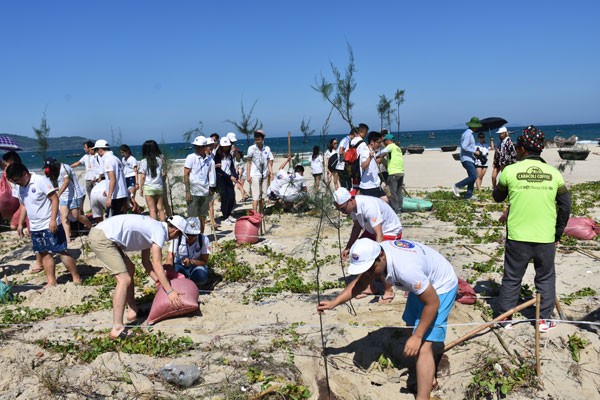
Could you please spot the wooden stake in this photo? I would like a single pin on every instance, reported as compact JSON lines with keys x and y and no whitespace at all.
{"x":538,"y":298}
{"x":559,"y":309}
{"x":485,"y":326}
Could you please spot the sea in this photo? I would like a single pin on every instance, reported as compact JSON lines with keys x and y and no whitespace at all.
{"x":431,"y":140}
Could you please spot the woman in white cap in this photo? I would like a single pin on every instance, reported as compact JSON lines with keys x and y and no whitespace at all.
{"x":189,"y":256}
{"x":226,"y":179}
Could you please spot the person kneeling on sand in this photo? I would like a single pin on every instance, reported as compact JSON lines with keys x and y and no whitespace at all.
{"x":39,"y":202}
{"x":432,"y":284}
{"x":376,"y":219}
{"x":110,"y":240}
{"x":189,"y":256}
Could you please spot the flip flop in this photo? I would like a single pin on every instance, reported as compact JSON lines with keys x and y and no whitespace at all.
{"x":35,"y":270}
{"x":140,"y":314}
{"x":125,"y":333}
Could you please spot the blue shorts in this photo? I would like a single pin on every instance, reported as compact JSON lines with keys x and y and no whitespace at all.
{"x":73,"y":204}
{"x":48,"y":242}
{"x":198,"y":274}
{"x":414,"y":309}
{"x":130,"y":181}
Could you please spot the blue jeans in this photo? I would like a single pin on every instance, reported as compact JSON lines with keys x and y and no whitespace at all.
{"x":198,"y":274}
{"x":469,"y":181}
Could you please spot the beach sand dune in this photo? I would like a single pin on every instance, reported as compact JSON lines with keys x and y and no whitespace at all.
{"x":240,"y":333}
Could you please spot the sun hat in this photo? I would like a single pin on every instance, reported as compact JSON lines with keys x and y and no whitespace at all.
{"x":178,"y":222}
{"x":362,"y":255}
{"x":199,"y":141}
{"x":341,"y":196}
{"x":389,"y":136}
{"x":503,"y":130}
{"x":532,"y":139}
{"x":101,"y":144}
{"x":193,"y":226}
{"x":224,"y":142}
{"x":210,"y":140}
{"x":231,"y":136}
{"x":474,"y":123}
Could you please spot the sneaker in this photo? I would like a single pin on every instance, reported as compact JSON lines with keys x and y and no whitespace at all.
{"x":547,"y":325}
{"x":231,"y":220}
{"x":456,"y":191}
{"x":505,"y":323}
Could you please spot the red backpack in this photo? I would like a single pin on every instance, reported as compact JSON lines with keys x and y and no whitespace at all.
{"x":352,"y":163}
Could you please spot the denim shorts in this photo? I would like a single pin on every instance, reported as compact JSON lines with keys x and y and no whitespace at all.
{"x":130,"y":181}
{"x":47,"y":242}
{"x":73,"y":204}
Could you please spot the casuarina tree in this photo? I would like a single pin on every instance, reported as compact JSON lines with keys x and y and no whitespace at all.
{"x":247,"y":125}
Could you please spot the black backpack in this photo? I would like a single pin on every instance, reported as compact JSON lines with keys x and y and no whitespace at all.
{"x":332,"y":162}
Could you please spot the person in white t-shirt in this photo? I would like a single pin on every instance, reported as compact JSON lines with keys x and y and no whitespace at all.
{"x":293,"y":191}
{"x":151,"y":179}
{"x":199,"y":178}
{"x":343,"y":175}
{"x":370,"y":183}
{"x":98,"y":200}
{"x":190,"y":256}
{"x":376,"y":220}
{"x":91,"y":164}
{"x":432,"y":285}
{"x":130,"y":169}
{"x":316,"y":167}
{"x":40,"y":203}
{"x":113,"y":238}
{"x":332,"y":170}
{"x":259,"y":169}
{"x":70,"y":194}
{"x":113,"y":171}
{"x":281,"y":177}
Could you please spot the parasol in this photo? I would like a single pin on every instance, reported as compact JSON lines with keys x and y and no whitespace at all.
{"x":8,"y":143}
{"x":492,"y":123}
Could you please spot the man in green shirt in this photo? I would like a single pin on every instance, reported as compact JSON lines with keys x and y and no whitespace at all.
{"x":539,"y":210}
{"x":395,"y":169}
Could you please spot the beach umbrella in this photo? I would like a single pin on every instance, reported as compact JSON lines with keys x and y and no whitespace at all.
{"x":492,"y":123}
{"x":7,"y":143}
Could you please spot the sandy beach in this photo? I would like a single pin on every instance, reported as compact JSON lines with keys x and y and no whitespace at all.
{"x":261,"y":334}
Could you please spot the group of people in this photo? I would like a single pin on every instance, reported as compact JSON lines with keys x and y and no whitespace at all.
{"x":376,"y":250}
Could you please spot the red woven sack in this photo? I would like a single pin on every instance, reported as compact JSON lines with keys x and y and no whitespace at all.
{"x":162,"y":308}
{"x":246,"y":228}
{"x":582,"y":228}
{"x":465,"y":294}
{"x":8,"y":203}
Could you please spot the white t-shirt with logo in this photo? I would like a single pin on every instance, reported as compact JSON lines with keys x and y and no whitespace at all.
{"x":280,"y":179}
{"x":370,"y":176}
{"x":192,"y":251}
{"x":316,"y":165}
{"x":74,"y":189}
{"x":133,"y":232}
{"x":34,"y":196}
{"x":412,"y":266}
{"x":91,"y":166}
{"x":129,"y":166}
{"x":202,"y":174}
{"x":372,"y":211}
{"x":260,"y":160}
{"x":155,"y":182}
{"x":345,"y":143}
{"x":292,"y":187}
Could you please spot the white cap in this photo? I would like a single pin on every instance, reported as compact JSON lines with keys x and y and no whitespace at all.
{"x":355,"y":140}
{"x":362,"y":255}
{"x":224,"y":142}
{"x":209,"y":140}
{"x":193,"y":226}
{"x":341,"y":196}
{"x":231,"y":136}
{"x":502,"y":130}
{"x":199,"y":141}
{"x":101,"y":144}
{"x":178,"y":222}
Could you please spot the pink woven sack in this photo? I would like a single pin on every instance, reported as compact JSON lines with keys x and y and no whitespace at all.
{"x":582,"y":228}
{"x":246,"y":228}
{"x":465,"y":294}
{"x":8,"y":203}
{"x":161,"y":307}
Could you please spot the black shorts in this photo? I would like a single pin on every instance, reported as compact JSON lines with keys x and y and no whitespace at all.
{"x":375,"y":192}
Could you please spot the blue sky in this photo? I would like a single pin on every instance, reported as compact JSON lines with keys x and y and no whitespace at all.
{"x":153,"y":69}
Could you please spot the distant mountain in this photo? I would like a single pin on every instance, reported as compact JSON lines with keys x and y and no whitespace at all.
{"x":54,"y":143}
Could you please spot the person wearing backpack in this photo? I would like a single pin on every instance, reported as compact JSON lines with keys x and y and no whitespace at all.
{"x":370,"y":183}
{"x":331,"y":160}
{"x":343,"y":175}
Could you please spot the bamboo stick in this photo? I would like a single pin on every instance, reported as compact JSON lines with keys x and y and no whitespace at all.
{"x":538,"y":298}
{"x":487,"y":325}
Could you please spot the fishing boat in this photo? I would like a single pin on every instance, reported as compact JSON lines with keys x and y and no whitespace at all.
{"x":456,"y":156}
{"x":408,"y":135}
{"x":449,"y":148}
{"x":403,"y":150}
{"x":565,"y":142}
{"x":412,"y":204}
{"x":573,"y":154}
{"x":415,"y":149}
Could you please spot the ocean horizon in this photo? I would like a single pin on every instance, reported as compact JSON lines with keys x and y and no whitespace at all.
{"x":431,"y":140}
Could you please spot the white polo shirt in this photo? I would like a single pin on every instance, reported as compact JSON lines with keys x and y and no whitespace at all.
{"x":129,"y":166}
{"x":91,"y":165}
{"x":35,"y":198}
{"x":260,"y":160}
{"x":111,"y":163}
{"x":412,"y":266}
{"x":193,"y":251}
{"x":202,"y":174}
{"x":372,"y":211}
{"x":133,"y":232}
{"x":370,"y":176}
{"x":74,"y":189}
